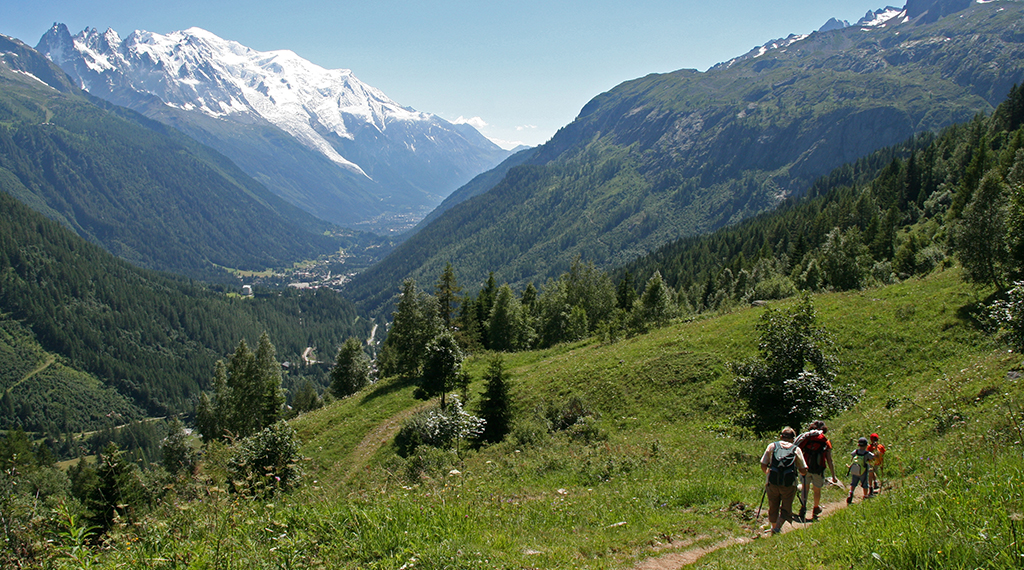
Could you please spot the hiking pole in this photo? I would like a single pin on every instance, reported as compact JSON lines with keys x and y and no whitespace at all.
{"x":764,"y":492}
{"x":802,"y":495}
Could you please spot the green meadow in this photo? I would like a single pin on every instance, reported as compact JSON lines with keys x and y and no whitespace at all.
{"x":656,"y":466}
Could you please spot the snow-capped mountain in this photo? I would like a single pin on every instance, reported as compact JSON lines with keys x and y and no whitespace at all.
{"x":876,"y":19}
{"x":402,"y":157}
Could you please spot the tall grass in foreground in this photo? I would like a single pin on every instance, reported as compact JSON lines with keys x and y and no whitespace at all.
{"x":562,"y":506}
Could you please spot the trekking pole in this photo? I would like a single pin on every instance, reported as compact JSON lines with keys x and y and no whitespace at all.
{"x":764,"y":491}
{"x":802,"y":495}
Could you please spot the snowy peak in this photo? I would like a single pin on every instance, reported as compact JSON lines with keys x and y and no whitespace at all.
{"x":195,"y":70}
{"x":879,"y":18}
{"x":320,"y":138}
{"x":872,"y":20}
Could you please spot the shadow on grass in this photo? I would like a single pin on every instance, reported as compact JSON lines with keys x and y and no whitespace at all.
{"x":388,"y":387}
{"x":978,"y":316}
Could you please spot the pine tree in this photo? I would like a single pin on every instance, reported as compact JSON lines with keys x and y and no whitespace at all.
{"x":351,"y":370}
{"x":447,"y":292}
{"x":496,"y":404}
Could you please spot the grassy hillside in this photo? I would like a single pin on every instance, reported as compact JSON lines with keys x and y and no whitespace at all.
{"x":658,"y":469}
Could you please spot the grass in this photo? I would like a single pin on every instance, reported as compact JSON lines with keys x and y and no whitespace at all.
{"x":660,"y":467}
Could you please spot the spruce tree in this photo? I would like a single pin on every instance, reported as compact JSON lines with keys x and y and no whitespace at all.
{"x":496,"y":404}
{"x":447,"y":292}
{"x":415,"y":322}
{"x":247,"y":393}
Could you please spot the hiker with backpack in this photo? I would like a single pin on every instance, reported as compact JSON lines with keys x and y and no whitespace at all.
{"x":782,"y":462}
{"x":875,"y":468}
{"x":859,"y":468}
{"x":817,"y":450}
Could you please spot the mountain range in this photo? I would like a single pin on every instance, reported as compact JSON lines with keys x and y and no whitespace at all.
{"x":683,"y":153}
{"x":319,"y":138}
{"x":142,"y":190}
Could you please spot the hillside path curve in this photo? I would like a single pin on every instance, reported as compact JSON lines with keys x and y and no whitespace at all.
{"x":676,"y":560}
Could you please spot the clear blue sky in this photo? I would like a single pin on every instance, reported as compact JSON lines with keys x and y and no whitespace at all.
{"x":524,"y":68}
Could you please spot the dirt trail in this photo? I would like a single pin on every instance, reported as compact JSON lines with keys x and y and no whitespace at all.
{"x":380,"y":435}
{"x":677,"y":560}
{"x":46,"y":364}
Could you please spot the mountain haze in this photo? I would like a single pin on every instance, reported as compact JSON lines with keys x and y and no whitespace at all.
{"x":683,"y":153}
{"x":320,"y":138}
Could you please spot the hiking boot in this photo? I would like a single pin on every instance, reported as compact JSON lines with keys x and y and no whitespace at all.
{"x":816,"y":512}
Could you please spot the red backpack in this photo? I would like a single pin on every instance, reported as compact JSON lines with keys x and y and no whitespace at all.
{"x":814,"y":448}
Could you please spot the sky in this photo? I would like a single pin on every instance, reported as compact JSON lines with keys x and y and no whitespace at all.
{"x":518,"y":71}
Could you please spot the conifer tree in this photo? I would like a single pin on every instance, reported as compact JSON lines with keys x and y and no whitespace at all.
{"x":496,"y":404}
{"x":351,"y":370}
{"x":507,"y":328}
{"x":656,"y":306}
{"x":247,"y":393}
{"x":415,"y":322}
{"x":447,"y":292}
{"x":625,"y":294}
{"x":268,"y":381}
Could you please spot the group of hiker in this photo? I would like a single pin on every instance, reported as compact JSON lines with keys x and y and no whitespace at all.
{"x":795,"y":463}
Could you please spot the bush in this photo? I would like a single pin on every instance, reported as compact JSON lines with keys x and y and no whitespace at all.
{"x":438,"y":427}
{"x":777,"y":387}
{"x":266,"y":462}
{"x":1009,"y":313}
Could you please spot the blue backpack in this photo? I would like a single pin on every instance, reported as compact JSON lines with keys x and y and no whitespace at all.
{"x":782,"y":469}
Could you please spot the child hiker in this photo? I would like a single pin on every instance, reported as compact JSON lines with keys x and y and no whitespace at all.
{"x":859,"y":468}
{"x":876,"y":464}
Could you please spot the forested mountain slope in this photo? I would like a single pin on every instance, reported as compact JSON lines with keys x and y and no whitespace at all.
{"x":684,"y":153}
{"x":142,"y":190}
{"x":899,"y":212}
{"x":86,"y":334}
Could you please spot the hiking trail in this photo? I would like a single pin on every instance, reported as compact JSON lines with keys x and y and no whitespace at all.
{"x":676,"y":560}
{"x":378,"y":437}
{"x":50,"y":359}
